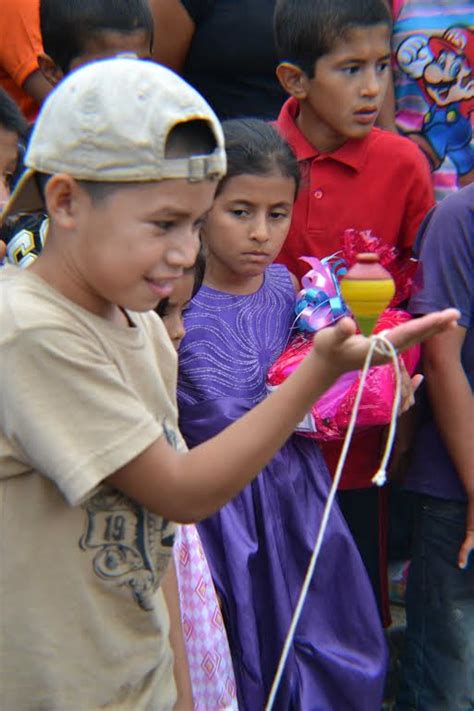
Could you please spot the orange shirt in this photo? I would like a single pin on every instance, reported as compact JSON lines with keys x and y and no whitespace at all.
{"x":20,"y":44}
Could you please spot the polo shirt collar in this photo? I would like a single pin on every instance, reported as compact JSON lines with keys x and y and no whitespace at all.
{"x":353,"y":153}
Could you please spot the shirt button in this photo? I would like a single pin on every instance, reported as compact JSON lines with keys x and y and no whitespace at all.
{"x":318,"y":194}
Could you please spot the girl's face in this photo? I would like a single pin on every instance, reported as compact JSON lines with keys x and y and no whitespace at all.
{"x":175,"y":308}
{"x":245,"y":230}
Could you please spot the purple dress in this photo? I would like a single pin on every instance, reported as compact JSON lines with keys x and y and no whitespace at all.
{"x":259,"y":545}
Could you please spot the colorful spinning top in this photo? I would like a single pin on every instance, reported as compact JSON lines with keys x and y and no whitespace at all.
{"x":367,"y":289}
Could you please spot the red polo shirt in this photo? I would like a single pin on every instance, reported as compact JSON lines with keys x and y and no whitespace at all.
{"x":381,"y":182}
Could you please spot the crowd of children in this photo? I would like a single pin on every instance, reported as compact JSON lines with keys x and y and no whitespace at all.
{"x":150,"y":230}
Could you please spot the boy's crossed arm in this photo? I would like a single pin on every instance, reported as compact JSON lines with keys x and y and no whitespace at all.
{"x":190,"y":486}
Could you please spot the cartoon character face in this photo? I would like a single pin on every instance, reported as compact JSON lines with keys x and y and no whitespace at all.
{"x":448,"y":79}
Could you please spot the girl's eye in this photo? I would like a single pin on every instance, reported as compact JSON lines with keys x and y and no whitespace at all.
{"x":239,"y":212}
{"x":170,"y":311}
{"x":278,"y":215}
{"x":350,"y":70}
{"x":383,"y":66}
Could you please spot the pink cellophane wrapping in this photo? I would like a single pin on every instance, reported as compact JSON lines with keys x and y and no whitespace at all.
{"x":330,"y":415}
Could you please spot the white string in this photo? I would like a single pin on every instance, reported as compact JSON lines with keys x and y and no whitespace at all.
{"x":382,"y":344}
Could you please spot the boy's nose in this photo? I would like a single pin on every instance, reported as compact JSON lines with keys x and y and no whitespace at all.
{"x":184,"y":253}
{"x":372,"y":84}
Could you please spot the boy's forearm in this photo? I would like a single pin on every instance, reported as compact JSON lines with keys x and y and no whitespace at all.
{"x":189,"y":487}
{"x":262,"y":431}
{"x":260,"y":435}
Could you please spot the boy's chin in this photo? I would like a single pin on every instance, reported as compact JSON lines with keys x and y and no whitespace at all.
{"x":360,"y":130}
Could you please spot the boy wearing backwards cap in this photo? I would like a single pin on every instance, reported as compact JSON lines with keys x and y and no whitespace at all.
{"x":92,"y":466}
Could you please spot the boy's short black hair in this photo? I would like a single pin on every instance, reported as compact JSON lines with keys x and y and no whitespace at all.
{"x":66,"y":25}
{"x":305,"y":30}
{"x":11,"y":118}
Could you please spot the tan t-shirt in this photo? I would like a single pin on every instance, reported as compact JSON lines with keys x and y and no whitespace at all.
{"x":82,"y":618}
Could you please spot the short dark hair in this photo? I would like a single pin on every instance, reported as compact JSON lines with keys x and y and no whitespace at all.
{"x":254,"y":147}
{"x":305,"y":30}
{"x":11,"y":118}
{"x":66,"y":25}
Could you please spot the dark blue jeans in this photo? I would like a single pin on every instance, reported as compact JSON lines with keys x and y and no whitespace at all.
{"x":438,"y":665}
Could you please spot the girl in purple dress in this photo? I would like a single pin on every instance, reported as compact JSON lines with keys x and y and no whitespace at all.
{"x":259,"y":545}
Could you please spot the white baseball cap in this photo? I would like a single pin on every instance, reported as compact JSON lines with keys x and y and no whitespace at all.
{"x":109,"y":121}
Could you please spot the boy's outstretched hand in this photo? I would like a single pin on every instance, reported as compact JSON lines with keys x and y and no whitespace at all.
{"x":344,"y":350}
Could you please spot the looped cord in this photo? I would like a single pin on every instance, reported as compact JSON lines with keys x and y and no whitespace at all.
{"x":380,"y":344}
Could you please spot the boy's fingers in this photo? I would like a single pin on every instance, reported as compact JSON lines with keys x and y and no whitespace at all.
{"x":468,"y":545}
{"x":416,"y":381}
{"x":344,"y":328}
{"x":407,"y":389}
{"x":422,"y":328}
{"x":465,"y":550}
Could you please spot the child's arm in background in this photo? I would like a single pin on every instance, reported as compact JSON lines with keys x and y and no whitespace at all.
{"x":174,"y":29}
{"x":188,"y":487}
{"x":169,"y":585}
{"x":453,"y":408}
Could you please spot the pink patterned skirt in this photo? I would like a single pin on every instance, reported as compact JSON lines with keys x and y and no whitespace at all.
{"x":210,"y":664}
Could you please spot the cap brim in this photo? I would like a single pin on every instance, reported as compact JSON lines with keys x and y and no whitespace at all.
{"x":25,"y":198}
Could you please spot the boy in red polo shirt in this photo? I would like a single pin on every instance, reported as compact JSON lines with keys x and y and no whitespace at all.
{"x":335,"y":63}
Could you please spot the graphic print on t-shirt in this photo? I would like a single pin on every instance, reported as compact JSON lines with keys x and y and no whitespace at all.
{"x":131,"y":546}
{"x":442,"y":66}
{"x":25,"y":236}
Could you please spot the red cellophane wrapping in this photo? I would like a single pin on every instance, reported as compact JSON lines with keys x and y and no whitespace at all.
{"x":402,"y":268}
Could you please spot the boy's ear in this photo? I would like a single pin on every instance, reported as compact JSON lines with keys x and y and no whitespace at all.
{"x":63,"y":198}
{"x":50,"y":69}
{"x":293,"y":79}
